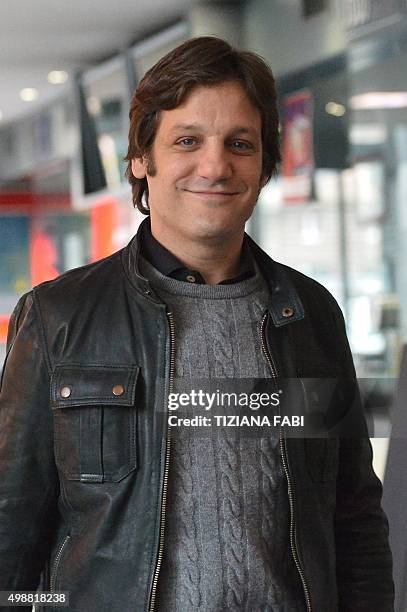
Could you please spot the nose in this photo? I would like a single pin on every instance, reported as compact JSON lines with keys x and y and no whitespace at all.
{"x":215,"y":164}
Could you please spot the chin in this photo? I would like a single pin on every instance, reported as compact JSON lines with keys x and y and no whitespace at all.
{"x":213,"y":230}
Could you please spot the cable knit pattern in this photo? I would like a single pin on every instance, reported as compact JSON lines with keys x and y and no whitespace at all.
{"x":189,"y":588}
{"x":221,"y":336}
{"x":234,"y":548}
{"x":270,"y":469}
{"x":226,"y":545}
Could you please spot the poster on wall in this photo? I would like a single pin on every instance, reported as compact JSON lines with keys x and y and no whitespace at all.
{"x":298,"y":154}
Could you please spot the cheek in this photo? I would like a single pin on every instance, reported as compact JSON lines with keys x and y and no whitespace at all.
{"x":172,"y":174}
{"x":173,"y":163}
{"x":250,"y":173}
{"x":183,"y":167}
{"x":253,"y":181}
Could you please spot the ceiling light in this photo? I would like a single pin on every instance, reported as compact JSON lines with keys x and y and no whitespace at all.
{"x":379,"y":100}
{"x":57,"y":77}
{"x":29,"y":94}
{"x":333,"y":108}
{"x":367,"y":134}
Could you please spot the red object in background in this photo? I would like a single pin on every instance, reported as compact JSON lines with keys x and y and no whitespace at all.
{"x":43,"y":254}
{"x":28,"y":200}
{"x":43,"y":257}
{"x":298,"y":154}
{"x":104,"y":218}
{"x":4,"y":320}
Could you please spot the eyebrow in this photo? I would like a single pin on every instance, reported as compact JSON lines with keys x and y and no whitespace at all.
{"x":237,"y":130}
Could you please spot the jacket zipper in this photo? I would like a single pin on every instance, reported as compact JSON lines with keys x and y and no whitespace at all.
{"x":56,"y":564}
{"x":166,"y":470}
{"x":283,"y":452}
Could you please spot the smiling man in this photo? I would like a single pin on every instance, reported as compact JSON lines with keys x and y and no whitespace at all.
{"x":210,"y":173}
{"x":100,"y":496}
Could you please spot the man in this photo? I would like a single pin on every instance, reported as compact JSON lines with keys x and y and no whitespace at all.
{"x":99,"y":494}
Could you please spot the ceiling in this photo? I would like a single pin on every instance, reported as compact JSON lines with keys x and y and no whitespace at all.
{"x":37,"y":37}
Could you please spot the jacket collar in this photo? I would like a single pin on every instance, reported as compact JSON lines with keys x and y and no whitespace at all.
{"x":169,"y":265}
{"x":285,"y":305}
{"x":130,"y":259}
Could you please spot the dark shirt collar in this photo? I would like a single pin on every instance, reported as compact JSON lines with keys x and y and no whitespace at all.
{"x":169,"y":265}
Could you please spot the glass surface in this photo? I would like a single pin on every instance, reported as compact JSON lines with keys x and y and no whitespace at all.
{"x":375,"y":214}
{"x":107,"y":101}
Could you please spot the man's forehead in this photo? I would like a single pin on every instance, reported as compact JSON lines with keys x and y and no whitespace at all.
{"x":200,"y":107}
{"x":237,"y":130}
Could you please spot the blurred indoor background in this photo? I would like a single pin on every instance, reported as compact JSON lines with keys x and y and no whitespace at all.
{"x":336,"y":211}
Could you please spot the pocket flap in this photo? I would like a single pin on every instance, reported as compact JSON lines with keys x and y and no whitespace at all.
{"x":78,"y":385}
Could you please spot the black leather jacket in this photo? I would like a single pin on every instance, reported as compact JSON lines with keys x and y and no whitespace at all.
{"x":84,"y":454}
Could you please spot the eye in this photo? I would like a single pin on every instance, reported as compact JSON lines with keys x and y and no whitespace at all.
{"x":242,"y":145}
{"x":187,"y":141}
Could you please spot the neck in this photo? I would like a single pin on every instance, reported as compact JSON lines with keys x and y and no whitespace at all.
{"x":215,"y":258}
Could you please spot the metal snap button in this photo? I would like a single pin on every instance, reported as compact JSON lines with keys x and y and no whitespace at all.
{"x":287,"y":312}
{"x":118,"y":390}
{"x":65,"y":391}
{"x":190,"y":278}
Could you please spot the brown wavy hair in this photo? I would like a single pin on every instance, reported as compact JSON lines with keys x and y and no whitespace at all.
{"x":205,"y":60}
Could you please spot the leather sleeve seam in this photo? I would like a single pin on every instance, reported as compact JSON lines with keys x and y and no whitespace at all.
{"x":15,"y":320}
{"x":42,"y":331}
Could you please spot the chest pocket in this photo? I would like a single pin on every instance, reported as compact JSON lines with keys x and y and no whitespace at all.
{"x":95,"y":421}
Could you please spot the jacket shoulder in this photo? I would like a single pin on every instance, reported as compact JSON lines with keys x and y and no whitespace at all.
{"x":80,"y":283}
{"x":309,"y":289}
{"x":324,"y":320}
{"x":311,"y":295}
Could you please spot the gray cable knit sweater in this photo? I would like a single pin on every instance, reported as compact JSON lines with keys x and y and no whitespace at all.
{"x":226,"y":545}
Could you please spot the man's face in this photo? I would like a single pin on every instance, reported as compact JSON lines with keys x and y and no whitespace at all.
{"x":207,"y":157}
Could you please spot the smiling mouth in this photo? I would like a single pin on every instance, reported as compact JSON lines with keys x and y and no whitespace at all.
{"x":213,"y":193}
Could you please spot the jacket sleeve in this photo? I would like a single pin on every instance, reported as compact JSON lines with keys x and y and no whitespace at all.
{"x":28,"y":477}
{"x":363,"y":556}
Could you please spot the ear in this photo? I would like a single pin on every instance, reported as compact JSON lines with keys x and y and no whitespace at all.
{"x":138,"y":167}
